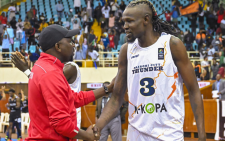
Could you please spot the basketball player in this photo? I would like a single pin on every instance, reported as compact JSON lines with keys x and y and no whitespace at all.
{"x":15,"y":114}
{"x":153,"y":65}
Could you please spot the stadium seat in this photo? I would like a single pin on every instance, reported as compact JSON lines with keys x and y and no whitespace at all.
{"x":32,"y":49}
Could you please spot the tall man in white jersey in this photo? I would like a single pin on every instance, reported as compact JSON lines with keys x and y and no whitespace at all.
{"x":153,"y":65}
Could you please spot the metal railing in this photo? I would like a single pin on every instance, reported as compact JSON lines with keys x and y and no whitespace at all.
{"x":110,"y":61}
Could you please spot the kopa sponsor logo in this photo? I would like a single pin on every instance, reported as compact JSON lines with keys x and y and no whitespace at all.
{"x":150,"y":108}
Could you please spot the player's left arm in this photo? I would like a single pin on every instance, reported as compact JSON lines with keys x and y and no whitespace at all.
{"x":186,"y":70}
{"x":70,"y":71}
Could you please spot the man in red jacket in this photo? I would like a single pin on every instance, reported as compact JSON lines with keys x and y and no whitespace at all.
{"x":52,"y":102}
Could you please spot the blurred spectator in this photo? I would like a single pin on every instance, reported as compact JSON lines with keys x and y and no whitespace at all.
{"x":168,"y":15}
{"x":5,"y":43}
{"x":12,"y":10}
{"x":200,"y":38}
{"x":79,"y":56}
{"x":75,"y":22}
{"x":103,"y":22}
{"x":122,"y":6}
{"x":51,"y":21}
{"x":84,"y":15}
{"x":42,"y":25}
{"x":105,"y":41}
{"x":188,"y":40}
{"x":35,"y":22}
{"x":59,"y":9}
{"x":3,"y":18}
{"x":98,"y":13}
{"x":211,"y":52}
{"x":59,"y":22}
{"x":181,"y":36}
{"x":19,"y":31}
{"x":89,"y":9}
{"x":13,"y":24}
{"x":25,"y":105}
{"x":209,"y":39}
{"x":105,"y":11}
{"x":30,"y":14}
{"x":91,"y":38}
{"x":70,"y":15}
{"x":77,"y":5}
{"x":22,"y":51}
{"x":212,"y":22}
{"x":11,"y":33}
{"x":93,"y":54}
{"x":41,"y":18}
{"x":114,"y":6}
{"x":175,"y":14}
{"x":122,"y":38}
{"x":214,"y":69}
{"x":111,"y":35}
{"x":222,"y":25}
{"x":220,"y":14}
{"x":30,"y":35}
{"x":205,"y":65}
{"x":216,"y":43}
{"x":26,"y":25}
{"x":32,"y":58}
{"x":215,"y":4}
{"x":221,"y":70}
{"x":1,"y":31}
{"x":197,"y":70}
{"x":222,"y":55}
{"x":100,"y":46}
{"x":34,"y":10}
{"x":111,"y":20}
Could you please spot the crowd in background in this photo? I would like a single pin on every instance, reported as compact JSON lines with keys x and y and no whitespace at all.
{"x":108,"y":14}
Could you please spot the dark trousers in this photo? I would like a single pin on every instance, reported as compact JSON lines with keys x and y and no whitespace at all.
{"x":4,"y":56}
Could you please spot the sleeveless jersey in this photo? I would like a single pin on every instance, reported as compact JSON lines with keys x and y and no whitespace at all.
{"x":155,"y":89}
{"x":76,"y":87}
{"x":12,"y":106}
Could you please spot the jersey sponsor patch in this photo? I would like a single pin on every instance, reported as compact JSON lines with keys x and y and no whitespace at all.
{"x":160,"y":53}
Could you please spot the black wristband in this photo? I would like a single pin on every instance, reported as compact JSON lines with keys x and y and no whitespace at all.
{"x":106,"y":89}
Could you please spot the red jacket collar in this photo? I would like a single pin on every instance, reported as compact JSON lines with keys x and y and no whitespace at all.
{"x":51,"y":59}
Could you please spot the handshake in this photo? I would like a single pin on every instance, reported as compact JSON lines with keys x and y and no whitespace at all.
{"x":91,"y":134}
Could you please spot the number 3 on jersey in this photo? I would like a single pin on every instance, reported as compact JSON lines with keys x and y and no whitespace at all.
{"x":147,"y":83}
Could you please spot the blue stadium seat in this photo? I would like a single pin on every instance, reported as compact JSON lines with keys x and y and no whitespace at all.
{"x":32,"y":49}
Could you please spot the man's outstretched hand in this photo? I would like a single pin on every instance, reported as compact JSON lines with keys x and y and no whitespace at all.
{"x":96,"y":131}
{"x":19,"y":61}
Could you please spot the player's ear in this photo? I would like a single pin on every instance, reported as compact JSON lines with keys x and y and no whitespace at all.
{"x":146,"y":19}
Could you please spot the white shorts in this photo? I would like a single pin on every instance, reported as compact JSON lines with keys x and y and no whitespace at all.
{"x":134,"y":135}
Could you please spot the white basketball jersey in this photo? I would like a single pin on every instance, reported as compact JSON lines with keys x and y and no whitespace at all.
{"x":76,"y":87}
{"x":155,"y":89}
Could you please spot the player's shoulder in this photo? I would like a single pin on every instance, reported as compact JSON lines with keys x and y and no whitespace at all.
{"x":124,"y":46}
{"x":174,"y":41}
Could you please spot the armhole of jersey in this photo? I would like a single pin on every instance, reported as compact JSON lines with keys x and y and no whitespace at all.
{"x":169,"y":47}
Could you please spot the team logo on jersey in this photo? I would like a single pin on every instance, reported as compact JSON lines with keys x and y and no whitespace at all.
{"x":135,"y":56}
{"x":150,"y":108}
{"x":160,"y":53}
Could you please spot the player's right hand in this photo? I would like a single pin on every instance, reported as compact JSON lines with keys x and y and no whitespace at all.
{"x":19,"y":62}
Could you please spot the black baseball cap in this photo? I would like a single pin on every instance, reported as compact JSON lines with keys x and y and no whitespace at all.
{"x":53,"y":34}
